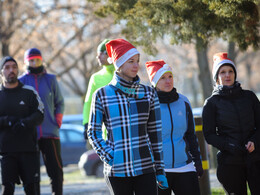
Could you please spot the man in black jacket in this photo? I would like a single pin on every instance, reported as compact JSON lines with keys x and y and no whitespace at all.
{"x":21,"y":110}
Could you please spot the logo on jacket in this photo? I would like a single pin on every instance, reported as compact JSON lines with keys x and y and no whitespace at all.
{"x":180,"y":113}
{"x":22,"y":102}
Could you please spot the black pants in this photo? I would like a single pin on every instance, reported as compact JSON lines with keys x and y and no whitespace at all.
{"x":24,"y":166}
{"x":51,"y":153}
{"x":234,"y":178}
{"x":139,"y":185}
{"x":181,"y":184}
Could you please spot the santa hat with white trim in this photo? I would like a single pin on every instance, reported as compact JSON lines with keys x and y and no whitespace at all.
{"x":119,"y":51}
{"x":220,"y":59}
{"x":156,"y":69}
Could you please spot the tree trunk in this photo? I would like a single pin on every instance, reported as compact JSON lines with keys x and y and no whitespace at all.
{"x":5,"y":49}
{"x":231,"y":51}
{"x":194,"y":91}
{"x":206,"y":82}
{"x":204,"y":75}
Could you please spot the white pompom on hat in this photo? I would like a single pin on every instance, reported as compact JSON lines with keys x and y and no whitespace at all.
{"x":156,"y":69}
{"x":119,"y":51}
{"x":220,"y":59}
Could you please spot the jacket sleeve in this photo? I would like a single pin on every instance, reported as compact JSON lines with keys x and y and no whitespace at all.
{"x":256,"y":137}
{"x":58,"y":102}
{"x":95,"y":138}
{"x":36,"y":111}
{"x":191,"y":137}
{"x":154,"y":129}
{"x":209,"y":126}
{"x":88,"y":99}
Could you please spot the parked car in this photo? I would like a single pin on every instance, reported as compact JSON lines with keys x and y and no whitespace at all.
{"x":73,"y":143}
{"x":90,"y":164}
{"x":197,"y":112}
{"x":72,"y":119}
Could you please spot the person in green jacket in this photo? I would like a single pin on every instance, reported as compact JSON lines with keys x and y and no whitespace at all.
{"x":97,"y":80}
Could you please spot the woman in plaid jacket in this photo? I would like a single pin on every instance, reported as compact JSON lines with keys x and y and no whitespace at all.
{"x":132,"y":153}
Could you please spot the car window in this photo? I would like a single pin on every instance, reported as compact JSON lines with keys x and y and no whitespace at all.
{"x":75,"y":136}
{"x":73,"y":119}
{"x":75,"y":122}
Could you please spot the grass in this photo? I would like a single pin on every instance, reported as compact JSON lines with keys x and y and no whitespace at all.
{"x":217,"y":191}
{"x":220,"y":191}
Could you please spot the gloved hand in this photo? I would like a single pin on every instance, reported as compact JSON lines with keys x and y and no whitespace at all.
{"x":235,"y":149}
{"x":85,"y":131}
{"x":162,"y":181}
{"x":199,"y":169}
{"x":10,"y":121}
{"x":19,"y":126}
{"x":58,"y":118}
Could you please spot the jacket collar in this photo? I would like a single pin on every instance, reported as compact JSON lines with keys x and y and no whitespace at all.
{"x":168,"y":97}
{"x":36,"y":71}
{"x":129,"y":88}
{"x":109,"y":68}
{"x":227,"y":91}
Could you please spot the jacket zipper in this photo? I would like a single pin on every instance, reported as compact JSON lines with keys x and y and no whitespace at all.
{"x":130,"y":135}
{"x":168,"y":104}
{"x":37,"y":89}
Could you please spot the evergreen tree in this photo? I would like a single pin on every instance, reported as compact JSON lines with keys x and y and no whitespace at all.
{"x":186,"y":21}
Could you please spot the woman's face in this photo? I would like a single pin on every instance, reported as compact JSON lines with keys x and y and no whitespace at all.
{"x":226,"y":76}
{"x":129,"y":69}
{"x":165,"y":83}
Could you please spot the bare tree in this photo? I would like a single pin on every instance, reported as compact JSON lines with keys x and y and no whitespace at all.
{"x":67,"y":34}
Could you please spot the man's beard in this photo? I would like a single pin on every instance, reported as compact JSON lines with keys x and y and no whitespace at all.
{"x":11,"y":79}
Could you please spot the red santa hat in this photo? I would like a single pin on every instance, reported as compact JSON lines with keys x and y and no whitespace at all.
{"x":119,"y":51}
{"x":156,"y":69}
{"x":220,"y":59}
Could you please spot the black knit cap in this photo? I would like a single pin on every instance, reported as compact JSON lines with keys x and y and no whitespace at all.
{"x":6,"y":59}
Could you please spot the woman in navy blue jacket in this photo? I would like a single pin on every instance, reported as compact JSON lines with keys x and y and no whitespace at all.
{"x":180,"y":146}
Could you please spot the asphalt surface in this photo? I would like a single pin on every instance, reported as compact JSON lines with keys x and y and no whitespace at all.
{"x":96,"y":187}
{"x":92,"y":188}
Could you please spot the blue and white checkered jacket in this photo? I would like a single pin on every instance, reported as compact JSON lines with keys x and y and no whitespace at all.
{"x":131,"y":114}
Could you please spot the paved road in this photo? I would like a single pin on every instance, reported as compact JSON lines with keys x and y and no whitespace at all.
{"x":73,"y":189}
{"x":96,"y":187}
{"x":93,"y":188}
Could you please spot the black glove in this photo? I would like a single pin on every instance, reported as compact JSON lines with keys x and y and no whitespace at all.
{"x":10,"y":121}
{"x":85,"y":131}
{"x":199,"y":169}
{"x":19,"y":126}
{"x":235,"y":149}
